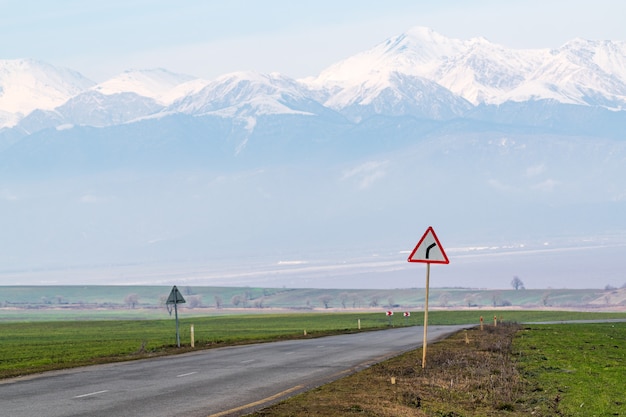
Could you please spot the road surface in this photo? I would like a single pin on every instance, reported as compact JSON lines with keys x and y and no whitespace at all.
{"x":217,"y":382}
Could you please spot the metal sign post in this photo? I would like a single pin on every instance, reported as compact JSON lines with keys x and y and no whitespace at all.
{"x":175,"y":298}
{"x":428,"y":251}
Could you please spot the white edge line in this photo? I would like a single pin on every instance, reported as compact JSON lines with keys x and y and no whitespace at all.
{"x":91,"y":393}
{"x":187,"y":374}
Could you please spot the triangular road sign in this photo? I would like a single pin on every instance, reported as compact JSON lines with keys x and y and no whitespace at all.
{"x":429,"y":250}
{"x":175,"y":297}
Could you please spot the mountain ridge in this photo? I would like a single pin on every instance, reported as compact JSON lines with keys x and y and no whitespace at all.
{"x":583,"y":72}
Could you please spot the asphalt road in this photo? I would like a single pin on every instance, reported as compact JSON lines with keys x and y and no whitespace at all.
{"x":218,"y":382}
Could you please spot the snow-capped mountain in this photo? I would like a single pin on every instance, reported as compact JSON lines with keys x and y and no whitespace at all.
{"x":398,"y":94}
{"x":246,"y":94}
{"x":475,"y":70}
{"x":417,"y":52}
{"x":580,"y":72}
{"x":92,"y":108}
{"x":27,"y":85}
{"x":419,"y":73}
{"x":158,"y":84}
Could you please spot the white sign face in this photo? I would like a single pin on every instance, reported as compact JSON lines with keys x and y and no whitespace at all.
{"x":429,"y":250}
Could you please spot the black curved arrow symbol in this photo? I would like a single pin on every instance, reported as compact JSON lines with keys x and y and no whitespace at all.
{"x":432,"y":245}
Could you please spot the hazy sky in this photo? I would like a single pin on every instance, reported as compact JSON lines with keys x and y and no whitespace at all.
{"x":208,"y":38}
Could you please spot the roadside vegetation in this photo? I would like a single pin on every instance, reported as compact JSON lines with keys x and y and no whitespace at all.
{"x":510,"y":370}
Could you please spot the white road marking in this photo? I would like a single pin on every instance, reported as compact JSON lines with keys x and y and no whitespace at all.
{"x":248,"y":361}
{"x":91,"y":393}
{"x":187,"y":374}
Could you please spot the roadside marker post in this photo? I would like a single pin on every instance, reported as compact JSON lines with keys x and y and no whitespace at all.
{"x":389,"y":315}
{"x":429,"y":251}
{"x":175,"y":298}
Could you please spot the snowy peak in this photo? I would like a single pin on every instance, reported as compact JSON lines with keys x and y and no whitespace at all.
{"x":249,"y":94}
{"x":581,"y":72}
{"x":418,"y":52}
{"x":607,"y":56}
{"x":396,"y":95}
{"x":484,"y":72}
{"x":26,"y":85}
{"x":159,"y":84}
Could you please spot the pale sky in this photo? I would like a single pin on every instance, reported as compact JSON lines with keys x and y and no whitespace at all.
{"x":208,"y":38}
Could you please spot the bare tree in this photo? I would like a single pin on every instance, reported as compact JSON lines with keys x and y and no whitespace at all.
{"x":496,"y":298}
{"x":219,"y":302}
{"x":325,"y":299}
{"x":343,"y":297}
{"x":444,"y":299}
{"x":470,"y":299}
{"x":357,"y":300}
{"x":374,"y":299}
{"x":194,"y":301}
{"x":236,"y":300}
{"x":545,"y":298}
{"x":517,"y":283}
{"x":131,"y":300}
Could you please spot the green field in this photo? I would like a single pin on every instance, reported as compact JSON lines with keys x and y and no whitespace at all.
{"x":27,"y":347}
{"x":575,"y":369}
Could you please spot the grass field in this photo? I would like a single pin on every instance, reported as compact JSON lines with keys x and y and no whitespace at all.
{"x":28,"y":347}
{"x":576,"y":369}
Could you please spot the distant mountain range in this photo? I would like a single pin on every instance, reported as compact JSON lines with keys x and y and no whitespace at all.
{"x":495,"y":144}
{"x":419,"y":73}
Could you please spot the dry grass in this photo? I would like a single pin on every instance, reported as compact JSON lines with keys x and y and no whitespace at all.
{"x":468,"y":374}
